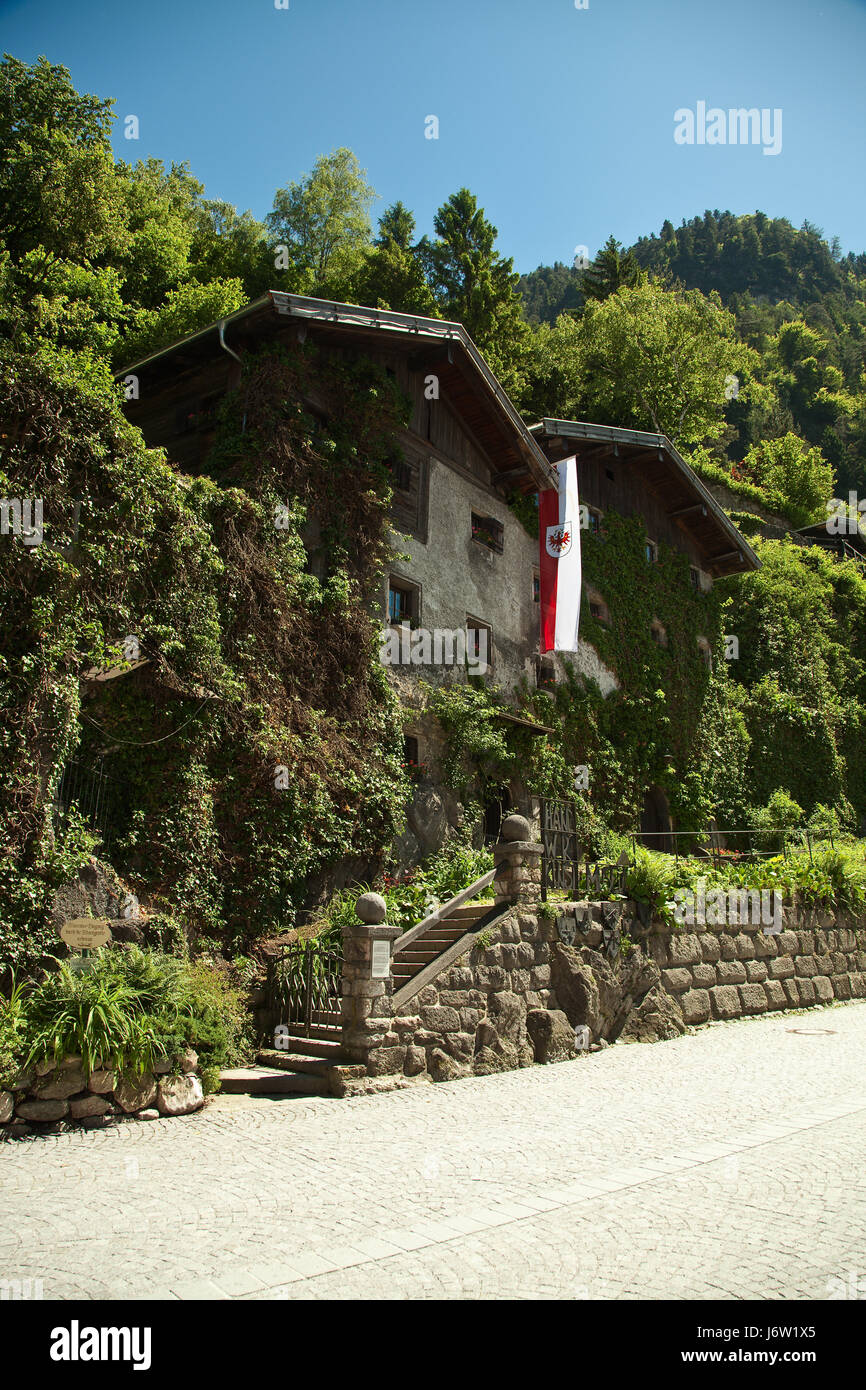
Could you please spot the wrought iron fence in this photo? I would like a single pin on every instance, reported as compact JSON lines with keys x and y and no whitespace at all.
{"x":563,"y":865}
{"x":306,"y":985}
{"x":728,"y":845}
{"x":101,"y":797}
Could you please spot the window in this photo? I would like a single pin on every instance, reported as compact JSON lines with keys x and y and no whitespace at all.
{"x":401,"y":473}
{"x":536,"y":587}
{"x":652,"y":552}
{"x":403,"y":605}
{"x":479,"y":644}
{"x":410,"y":750}
{"x":590,"y":519}
{"x":545,"y":673}
{"x":488,"y":531}
{"x":658,"y":634}
{"x":598,"y":609}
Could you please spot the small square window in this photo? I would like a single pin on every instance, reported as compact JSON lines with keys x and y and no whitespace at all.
{"x":402,"y":602}
{"x":489,"y":532}
{"x":479,"y":644}
{"x":651,"y":551}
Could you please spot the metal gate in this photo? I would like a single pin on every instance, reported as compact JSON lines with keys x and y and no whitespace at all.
{"x":306,"y":987}
{"x":562,"y":867}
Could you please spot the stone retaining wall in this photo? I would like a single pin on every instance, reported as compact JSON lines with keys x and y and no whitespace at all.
{"x":518,"y":996}
{"x":721,"y":973}
{"x":48,"y":1099}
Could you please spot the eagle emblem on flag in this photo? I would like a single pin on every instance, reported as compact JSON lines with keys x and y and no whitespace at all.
{"x":558,"y":540}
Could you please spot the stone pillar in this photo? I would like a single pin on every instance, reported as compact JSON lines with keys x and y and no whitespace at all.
{"x":518,"y":863}
{"x":366,"y":1005}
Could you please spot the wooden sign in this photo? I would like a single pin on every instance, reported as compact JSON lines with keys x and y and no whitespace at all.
{"x":83,"y":933}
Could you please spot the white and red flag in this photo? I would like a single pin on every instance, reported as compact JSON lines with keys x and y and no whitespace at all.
{"x":559,"y":534}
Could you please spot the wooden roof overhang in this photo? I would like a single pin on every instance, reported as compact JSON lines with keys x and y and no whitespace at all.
{"x":435,"y":346}
{"x":667,"y":475}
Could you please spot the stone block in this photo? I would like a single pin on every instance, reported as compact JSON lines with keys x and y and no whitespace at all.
{"x":521,"y":981}
{"x":552,"y":1035}
{"x":440,"y":1020}
{"x":782,"y":968}
{"x":444,"y":1068}
{"x":406,"y":1023}
{"x":704,"y":975}
{"x":7,"y":1107}
{"x":711,"y":948}
{"x":766,"y":945}
{"x":539,"y":976}
{"x":823,"y":989}
{"x":756,"y":971}
{"x":731,"y":972}
{"x":858,"y":984}
{"x":806,"y":990}
{"x":725,"y":1001}
{"x":415,"y":1062}
{"x":805,"y":966}
{"x":753,"y":998}
{"x":728,"y":947}
{"x":101,"y":1082}
{"x":469,"y":1020}
{"x":385,"y":1061}
{"x":684,"y":949}
{"x":792,"y":993}
{"x":775,"y":994}
{"x":460,"y":1045}
{"x":841,"y":986}
{"x":677,"y":980}
{"x":695,"y":1004}
{"x":745,"y":946}
{"x":80,"y":1107}
{"x":67,"y":1080}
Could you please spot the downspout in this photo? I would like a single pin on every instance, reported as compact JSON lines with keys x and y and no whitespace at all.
{"x":231,"y":353}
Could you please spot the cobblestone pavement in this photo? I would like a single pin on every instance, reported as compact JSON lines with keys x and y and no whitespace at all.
{"x":730,"y":1163}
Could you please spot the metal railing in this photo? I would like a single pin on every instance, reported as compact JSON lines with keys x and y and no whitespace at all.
{"x":444,"y":911}
{"x":751,"y":843}
{"x":100,"y":797}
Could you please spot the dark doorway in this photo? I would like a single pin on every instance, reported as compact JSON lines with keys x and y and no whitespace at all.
{"x":655,"y":822}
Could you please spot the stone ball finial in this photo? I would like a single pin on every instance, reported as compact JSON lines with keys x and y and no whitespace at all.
{"x":371,"y":908}
{"x":515,"y":828}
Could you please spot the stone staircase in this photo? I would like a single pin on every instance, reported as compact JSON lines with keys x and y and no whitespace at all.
{"x":406,"y":965}
{"x":306,"y":1068}
{"x":315,"y":1064}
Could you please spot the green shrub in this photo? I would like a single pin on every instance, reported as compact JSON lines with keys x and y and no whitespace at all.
{"x":11,"y":1035}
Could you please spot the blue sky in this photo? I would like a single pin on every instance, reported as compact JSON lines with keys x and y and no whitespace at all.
{"x":560,"y":120}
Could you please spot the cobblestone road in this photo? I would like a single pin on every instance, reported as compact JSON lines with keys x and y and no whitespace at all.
{"x":730,"y":1163}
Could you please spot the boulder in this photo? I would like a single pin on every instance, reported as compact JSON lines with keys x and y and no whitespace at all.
{"x":444,"y":1068}
{"x":101,"y":1082}
{"x":189,"y":1060}
{"x":600,"y":992}
{"x":179,"y":1095}
{"x":23,"y":1079}
{"x":148,"y":1115}
{"x":552,"y":1035}
{"x":83,"y":1107}
{"x":61,"y":1083}
{"x":658,"y":1016}
{"x":135,"y":1092}
{"x":7,"y":1107}
{"x":44,"y":1111}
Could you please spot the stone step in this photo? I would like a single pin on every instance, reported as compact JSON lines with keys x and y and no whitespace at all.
{"x":468,"y":912}
{"x":314,"y":1063}
{"x":270,"y":1081}
{"x":319,"y":1044}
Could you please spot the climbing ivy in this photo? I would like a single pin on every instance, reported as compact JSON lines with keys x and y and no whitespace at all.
{"x":259,"y":659}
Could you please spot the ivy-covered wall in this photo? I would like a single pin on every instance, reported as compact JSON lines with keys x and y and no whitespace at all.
{"x":256,"y":663}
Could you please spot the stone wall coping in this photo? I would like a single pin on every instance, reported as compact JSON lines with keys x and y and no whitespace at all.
{"x":373,"y":931}
{"x":504,"y":848}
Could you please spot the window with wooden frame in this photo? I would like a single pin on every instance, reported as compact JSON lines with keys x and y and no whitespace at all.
{"x":479,"y":643}
{"x":651,"y":551}
{"x":488,"y":532}
{"x":404,"y":601}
